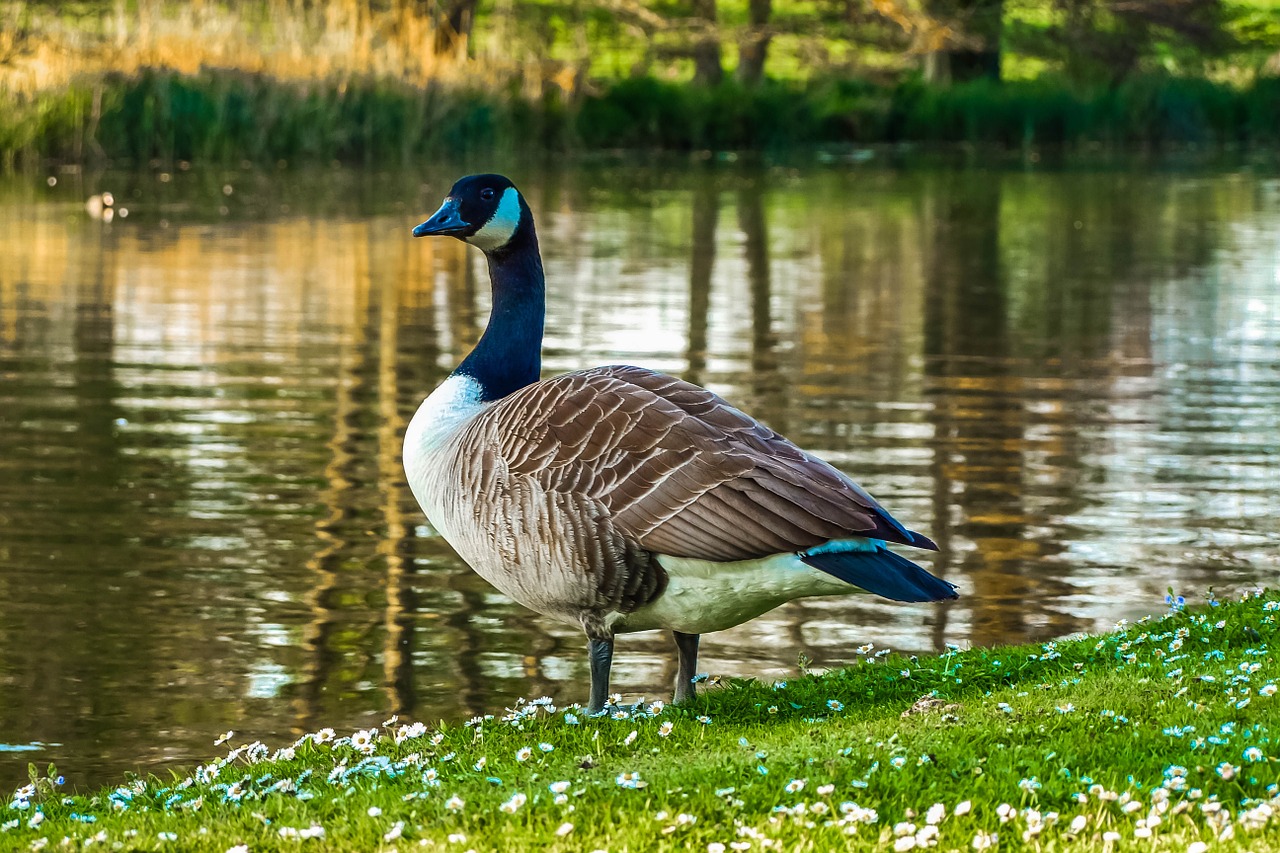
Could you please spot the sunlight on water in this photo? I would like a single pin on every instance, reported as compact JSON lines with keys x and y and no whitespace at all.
{"x":1068,"y":380}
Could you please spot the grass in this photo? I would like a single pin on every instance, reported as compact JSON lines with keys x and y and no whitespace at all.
{"x":230,"y":117}
{"x":1146,"y":110}
{"x":1159,"y":733}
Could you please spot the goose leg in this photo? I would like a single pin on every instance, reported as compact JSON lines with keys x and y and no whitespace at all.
{"x":601,"y":653}
{"x":687,"y":645}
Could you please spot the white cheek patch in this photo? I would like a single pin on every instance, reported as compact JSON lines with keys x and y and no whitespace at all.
{"x":501,"y":227}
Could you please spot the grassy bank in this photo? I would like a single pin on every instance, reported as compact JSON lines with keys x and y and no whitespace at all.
{"x":225,"y":116}
{"x":1161,"y":733}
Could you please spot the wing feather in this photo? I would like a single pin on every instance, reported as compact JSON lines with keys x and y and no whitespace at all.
{"x":676,"y":469}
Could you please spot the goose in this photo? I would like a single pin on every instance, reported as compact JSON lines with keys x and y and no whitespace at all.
{"x":620,"y":499}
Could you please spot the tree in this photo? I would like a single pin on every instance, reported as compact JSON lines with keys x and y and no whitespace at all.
{"x":959,"y":39}
{"x":706,"y":48}
{"x":755,"y":42}
{"x":1110,"y":39}
{"x":453,"y":27}
{"x":971,"y":47}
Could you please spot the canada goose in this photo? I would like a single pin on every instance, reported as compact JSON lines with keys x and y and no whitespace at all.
{"x":620,"y":499}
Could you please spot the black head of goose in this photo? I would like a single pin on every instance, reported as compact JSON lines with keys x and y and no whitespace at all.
{"x":620,"y":499}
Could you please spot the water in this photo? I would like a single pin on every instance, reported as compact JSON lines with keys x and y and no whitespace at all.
{"x":1069,"y":380}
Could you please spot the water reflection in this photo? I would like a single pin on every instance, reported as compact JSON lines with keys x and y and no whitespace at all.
{"x":979,"y":414}
{"x":1069,"y":380}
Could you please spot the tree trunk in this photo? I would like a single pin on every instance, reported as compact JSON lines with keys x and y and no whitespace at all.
{"x":705,"y":215}
{"x":979,"y":57}
{"x":453,"y":29}
{"x":707,"y":70}
{"x":755,"y":44}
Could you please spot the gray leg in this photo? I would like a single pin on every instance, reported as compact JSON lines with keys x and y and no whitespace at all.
{"x":687,"y":645}
{"x":601,"y":660}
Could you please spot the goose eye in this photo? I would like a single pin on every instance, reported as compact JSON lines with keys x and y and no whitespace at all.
{"x":486,"y":193}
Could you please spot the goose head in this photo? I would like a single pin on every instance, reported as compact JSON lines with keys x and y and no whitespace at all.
{"x":486,"y":211}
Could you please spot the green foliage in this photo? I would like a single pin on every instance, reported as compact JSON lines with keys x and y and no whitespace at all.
{"x":1105,"y":41}
{"x":43,"y":787}
{"x":1145,"y":109}
{"x":1262,"y":110}
{"x":634,"y":112}
{"x":231,"y":116}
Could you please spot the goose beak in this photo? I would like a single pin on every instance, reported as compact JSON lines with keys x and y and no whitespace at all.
{"x":443,"y":222}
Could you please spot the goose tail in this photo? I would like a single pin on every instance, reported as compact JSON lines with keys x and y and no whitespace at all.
{"x":882,"y":572}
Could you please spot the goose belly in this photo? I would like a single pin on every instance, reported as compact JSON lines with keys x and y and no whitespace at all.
{"x":507,"y":537}
{"x":531,"y":570}
{"x":704,"y":596}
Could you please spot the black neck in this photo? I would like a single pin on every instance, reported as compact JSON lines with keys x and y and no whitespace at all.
{"x":509,"y":353}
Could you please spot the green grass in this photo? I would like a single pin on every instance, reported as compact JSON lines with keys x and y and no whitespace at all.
{"x":232,"y":116}
{"x":229,"y":117}
{"x":1160,"y":732}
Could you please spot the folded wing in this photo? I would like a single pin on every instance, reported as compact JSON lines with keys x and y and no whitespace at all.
{"x":677,"y":469}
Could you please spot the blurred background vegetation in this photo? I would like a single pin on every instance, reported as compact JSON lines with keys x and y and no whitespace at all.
{"x":372,"y":80}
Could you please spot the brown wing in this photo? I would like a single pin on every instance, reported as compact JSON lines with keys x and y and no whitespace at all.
{"x":677,"y":469}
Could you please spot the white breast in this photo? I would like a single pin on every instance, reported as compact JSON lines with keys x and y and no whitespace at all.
{"x":455,"y":401}
{"x":452,"y":405}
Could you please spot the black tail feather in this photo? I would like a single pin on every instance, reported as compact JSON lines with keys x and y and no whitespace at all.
{"x":890,"y":529}
{"x":884,"y":573}
{"x":921,"y":541}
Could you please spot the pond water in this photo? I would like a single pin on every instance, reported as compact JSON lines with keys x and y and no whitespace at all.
{"x":1070,"y":380}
